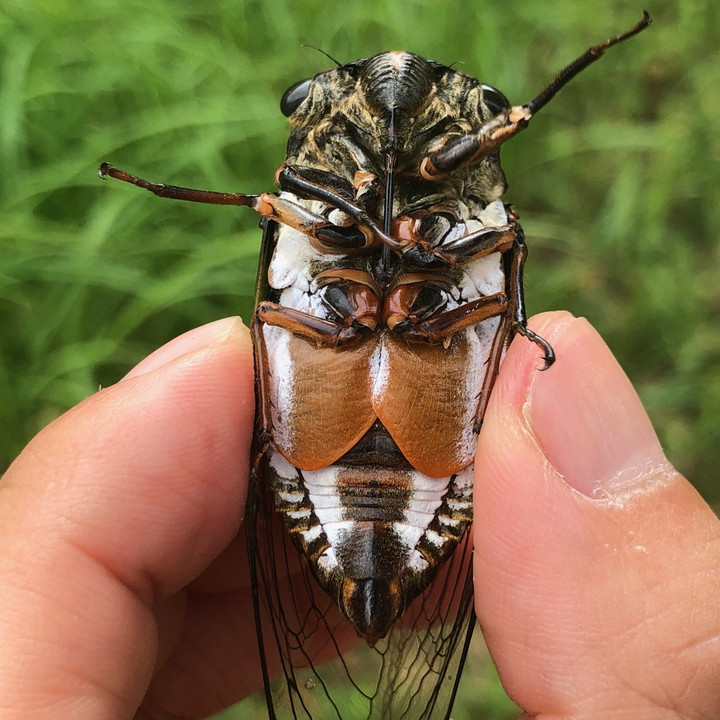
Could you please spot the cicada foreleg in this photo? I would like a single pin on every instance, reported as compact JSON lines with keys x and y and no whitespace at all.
{"x":292,"y":179}
{"x":326,"y":236}
{"x":456,"y":151}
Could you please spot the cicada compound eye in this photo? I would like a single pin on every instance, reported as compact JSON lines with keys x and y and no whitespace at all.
{"x":496,"y":102}
{"x":293,"y":97}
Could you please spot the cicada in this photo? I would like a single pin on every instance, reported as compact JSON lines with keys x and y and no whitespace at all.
{"x":390,"y":284}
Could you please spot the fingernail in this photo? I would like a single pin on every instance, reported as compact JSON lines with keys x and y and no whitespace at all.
{"x":214,"y":332}
{"x":587,"y":417}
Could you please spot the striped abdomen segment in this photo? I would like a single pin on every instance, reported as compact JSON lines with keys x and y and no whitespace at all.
{"x":374,"y":536}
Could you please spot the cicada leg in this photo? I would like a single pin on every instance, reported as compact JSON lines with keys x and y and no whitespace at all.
{"x":456,"y":151}
{"x":506,"y":238}
{"x":517,"y":300}
{"x":326,"y":333}
{"x":441,"y":327}
{"x":291,"y":179}
{"x":175,"y":192}
{"x":515,"y":320}
{"x":497,"y":350}
{"x":473,"y":246}
{"x":326,"y":236}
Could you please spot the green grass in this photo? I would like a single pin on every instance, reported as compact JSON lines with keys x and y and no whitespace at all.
{"x":616,"y":182}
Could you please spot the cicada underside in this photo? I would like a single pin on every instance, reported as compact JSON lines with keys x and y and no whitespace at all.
{"x":390,"y":284}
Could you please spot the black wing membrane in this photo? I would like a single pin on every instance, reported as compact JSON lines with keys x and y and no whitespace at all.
{"x":314,"y":665}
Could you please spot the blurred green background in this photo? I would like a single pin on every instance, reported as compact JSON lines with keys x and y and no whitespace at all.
{"x":616,"y":183}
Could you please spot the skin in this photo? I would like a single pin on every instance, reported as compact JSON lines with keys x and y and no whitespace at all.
{"x":598,"y":565}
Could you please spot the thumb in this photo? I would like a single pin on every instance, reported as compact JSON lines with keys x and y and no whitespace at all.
{"x":596,"y":563}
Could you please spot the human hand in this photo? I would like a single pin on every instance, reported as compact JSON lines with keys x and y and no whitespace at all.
{"x":101,"y":549}
{"x":597,"y":565}
{"x":117,"y":558}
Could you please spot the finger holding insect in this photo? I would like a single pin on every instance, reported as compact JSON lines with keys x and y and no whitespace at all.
{"x":590,"y":544}
{"x":108,"y":516}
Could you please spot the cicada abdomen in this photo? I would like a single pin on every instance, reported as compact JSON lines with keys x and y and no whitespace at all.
{"x":390,"y":284}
